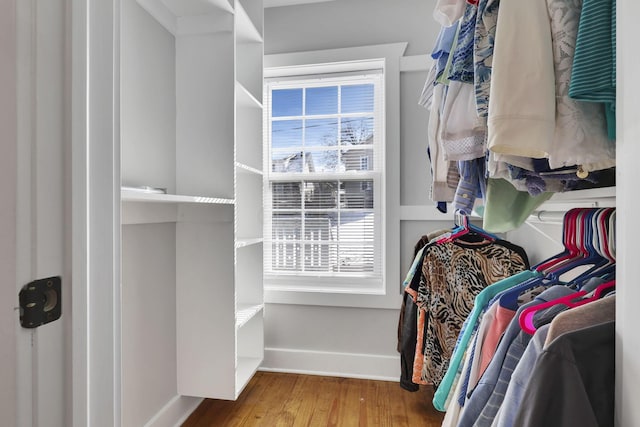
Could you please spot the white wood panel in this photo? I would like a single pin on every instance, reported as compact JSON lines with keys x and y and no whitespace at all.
{"x":249,"y":206}
{"x":205,"y":309}
{"x":148,"y":313}
{"x":205,"y":110}
{"x":628,"y":232}
{"x":148,"y":107}
{"x":249,"y":275}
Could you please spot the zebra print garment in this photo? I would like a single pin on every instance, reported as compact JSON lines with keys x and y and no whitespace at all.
{"x":453,"y":274}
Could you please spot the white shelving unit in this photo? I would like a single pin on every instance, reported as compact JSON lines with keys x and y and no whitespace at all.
{"x":192,"y":124}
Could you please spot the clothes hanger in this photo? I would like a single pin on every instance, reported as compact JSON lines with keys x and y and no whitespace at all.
{"x":576,"y":254}
{"x":587,"y":246}
{"x":596,"y":247}
{"x":568,"y":237}
{"x":464,"y":226}
{"x":574,"y":300}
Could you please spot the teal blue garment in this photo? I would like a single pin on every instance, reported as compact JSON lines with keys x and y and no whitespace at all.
{"x":414,"y":267}
{"x":481,"y":300}
{"x":593,"y":76}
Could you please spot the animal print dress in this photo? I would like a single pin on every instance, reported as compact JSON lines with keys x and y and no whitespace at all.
{"x":453,"y":273}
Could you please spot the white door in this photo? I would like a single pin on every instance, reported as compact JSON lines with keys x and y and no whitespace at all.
{"x":35,"y":367}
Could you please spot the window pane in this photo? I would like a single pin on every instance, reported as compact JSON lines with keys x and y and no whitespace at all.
{"x":357,"y":98}
{"x":356,"y":257}
{"x":356,"y":226}
{"x":320,"y":194}
{"x":354,"y":197}
{"x":286,"y":133}
{"x":321,"y":100}
{"x":286,"y":102}
{"x":321,"y":132}
{"x":324,"y":160}
{"x":321,"y":257}
{"x":356,"y":131}
{"x":321,"y":226}
{"x":286,"y":256}
{"x":357,"y":159}
{"x":286,"y":226}
{"x":287,"y":161}
{"x":286,"y":195}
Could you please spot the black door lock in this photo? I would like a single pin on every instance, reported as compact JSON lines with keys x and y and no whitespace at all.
{"x":40,"y":302}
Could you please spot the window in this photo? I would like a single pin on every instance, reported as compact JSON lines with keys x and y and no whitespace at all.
{"x":323,"y":187}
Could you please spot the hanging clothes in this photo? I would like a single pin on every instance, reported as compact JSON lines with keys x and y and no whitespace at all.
{"x":482,"y":261}
{"x":535,"y":42}
{"x":579,"y":366}
{"x":543,"y":82}
{"x":477,"y":397}
{"x":587,"y":315}
{"x":453,"y":273}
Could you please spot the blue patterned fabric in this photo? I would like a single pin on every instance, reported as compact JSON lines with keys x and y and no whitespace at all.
{"x":472,"y":184}
{"x":443,"y":47}
{"x":462,"y":63}
{"x":485,"y":32}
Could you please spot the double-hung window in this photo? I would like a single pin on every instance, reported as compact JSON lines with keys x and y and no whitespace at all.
{"x":324,"y":182}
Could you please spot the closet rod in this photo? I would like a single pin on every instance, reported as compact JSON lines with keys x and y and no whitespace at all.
{"x":547,"y":217}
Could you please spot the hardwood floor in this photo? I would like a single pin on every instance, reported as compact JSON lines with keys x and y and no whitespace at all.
{"x":283,"y":400}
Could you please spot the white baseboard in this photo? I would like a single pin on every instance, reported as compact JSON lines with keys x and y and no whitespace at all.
{"x":175,"y":412}
{"x":348,"y":365}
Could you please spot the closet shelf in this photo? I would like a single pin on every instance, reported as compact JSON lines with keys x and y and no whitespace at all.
{"x":245,"y":98}
{"x":247,"y":169}
{"x":246,"y":312}
{"x":246,"y":30}
{"x":247,"y":367}
{"x":136,"y":196}
{"x":182,"y":17}
{"x":241,"y":243}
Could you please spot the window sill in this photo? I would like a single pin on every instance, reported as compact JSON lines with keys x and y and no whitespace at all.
{"x":336,"y":296}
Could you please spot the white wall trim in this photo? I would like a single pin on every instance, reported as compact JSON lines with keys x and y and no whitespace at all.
{"x":96,"y":213}
{"x":175,"y":412}
{"x":392,"y":54}
{"x":333,"y":364}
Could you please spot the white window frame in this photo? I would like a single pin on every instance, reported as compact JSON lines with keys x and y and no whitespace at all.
{"x":385,"y":295}
{"x":354,"y":282}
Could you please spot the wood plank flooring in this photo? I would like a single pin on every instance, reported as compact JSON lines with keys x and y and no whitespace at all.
{"x":285,"y":400}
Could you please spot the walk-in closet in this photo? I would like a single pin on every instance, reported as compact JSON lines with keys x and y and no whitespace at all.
{"x":324,"y":212}
{"x":254,"y":239}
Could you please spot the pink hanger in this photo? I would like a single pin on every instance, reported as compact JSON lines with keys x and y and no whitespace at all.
{"x":568,"y":240}
{"x":526,"y":317}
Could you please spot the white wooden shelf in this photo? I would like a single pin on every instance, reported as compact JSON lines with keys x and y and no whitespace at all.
{"x":247,"y":367}
{"x":197,"y":130}
{"x":246,"y":312}
{"x":248,"y":169}
{"x":137,"y":196}
{"x":246,"y":31}
{"x":181,"y":17}
{"x":244,"y":98}
{"x":243,"y":243}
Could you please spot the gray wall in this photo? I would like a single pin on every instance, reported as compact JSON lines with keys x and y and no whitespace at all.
{"x":347,"y":23}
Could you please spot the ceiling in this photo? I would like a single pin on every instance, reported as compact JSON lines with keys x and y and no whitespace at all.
{"x":277,"y":3}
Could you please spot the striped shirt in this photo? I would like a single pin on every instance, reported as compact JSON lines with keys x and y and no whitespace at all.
{"x":593,"y":77}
